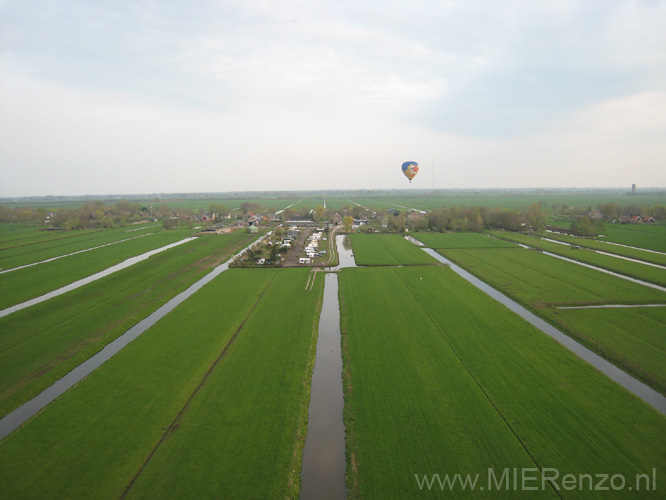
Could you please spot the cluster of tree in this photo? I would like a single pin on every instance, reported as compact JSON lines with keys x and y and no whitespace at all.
{"x":459,"y":218}
{"x":320,"y":213}
{"x":612,"y":210}
{"x":93,"y":214}
{"x":217,"y":209}
{"x":251,"y":207}
{"x":585,"y":226}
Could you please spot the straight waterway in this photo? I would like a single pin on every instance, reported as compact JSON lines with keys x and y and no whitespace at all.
{"x":13,"y":420}
{"x":73,"y":286}
{"x":647,"y":394}
{"x":324,"y":465}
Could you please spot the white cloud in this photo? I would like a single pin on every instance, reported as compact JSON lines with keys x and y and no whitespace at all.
{"x":175,"y":96}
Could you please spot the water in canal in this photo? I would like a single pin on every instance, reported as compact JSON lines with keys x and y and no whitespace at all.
{"x":93,"y":277}
{"x":14,"y":419}
{"x":323,"y":472}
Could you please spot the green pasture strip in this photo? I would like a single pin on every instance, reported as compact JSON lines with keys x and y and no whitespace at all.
{"x":25,"y":284}
{"x":650,"y":236}
{"x":460,"y":240}
{"x":633,"y":269}
{"x":541,"y":283}
{"x":632,"y":253}
{"x":411,"y":408}
{"x":93,"y":440}
{"x":387,"y":250}
{"x":633,"y":338}
{"x":448,"y":381}
{"x":17,"y":233}
{"x":40,"y":344}
{"x":243,"y":434}
{"x":66,"y":243}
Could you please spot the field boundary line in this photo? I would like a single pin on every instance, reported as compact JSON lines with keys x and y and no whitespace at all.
{"x":173,"y":427}
{"x":129,"y":262}
{"x":610,"y":306}
{"x":478,"y":384}
{"x":72,"y":253}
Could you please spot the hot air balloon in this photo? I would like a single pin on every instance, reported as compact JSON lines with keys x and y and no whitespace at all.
{"x":410,"y":169}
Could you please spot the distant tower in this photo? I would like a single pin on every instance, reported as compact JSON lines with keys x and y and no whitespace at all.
{"x":633,"y":189}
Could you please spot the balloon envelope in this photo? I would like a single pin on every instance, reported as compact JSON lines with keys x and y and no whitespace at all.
{"x":410,"y":169}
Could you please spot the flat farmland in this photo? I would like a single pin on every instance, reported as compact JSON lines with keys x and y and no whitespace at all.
{"x":23,"y":284}
{"x":651,"y":274}
{"x":460,"y":240}
{"x":37,"y":246}
{"x":650,"y":236}
{"x":40,"y":344}
{"x":633,"y":338}
{"x":211,"y":402}
{"x":510,"y":200}
{"x":632,"y":253}
{"x":387,"y":250}
{"x":451,"y":382}
{"x":543,"y":283}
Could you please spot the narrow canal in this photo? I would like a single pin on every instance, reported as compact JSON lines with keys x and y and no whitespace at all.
{"x":323,"y":472}
{"x":14,"y":419}
{"x":324,"y":465}
{"x":93,"y":277}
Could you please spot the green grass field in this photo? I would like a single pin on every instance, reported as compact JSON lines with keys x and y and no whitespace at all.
{"x":441,"y":379}
{"x":387,"y":250}
{"x":24,"y":284}
{"x":40,"y":344}
{"x":542,"y":283}
{"x":648,"y":236}
{"x":17,"y":233}
{"x":15,"y":253}
{"x":605,"y":247}
{"x":460,"y":240}
{"x":211,"y":402}
{"x":510,"y":200}
{"x":637,"y":270}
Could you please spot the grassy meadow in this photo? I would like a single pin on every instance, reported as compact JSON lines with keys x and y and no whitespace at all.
{"x":387,"y":250}
{"x":40,"y":344}
{"x":30,"y":282}
{"x":15,"y":253}
{"x":652,"y":237}
{"x":211,"y":402}
{"x":604,"y":246}
{"x":448,"y":381}
{"x":542,"y":283}
{"x":460,"y":240}
{"x":625,"y":267}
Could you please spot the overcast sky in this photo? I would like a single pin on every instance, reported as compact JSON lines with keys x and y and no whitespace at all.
{"x":110,"y":96}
